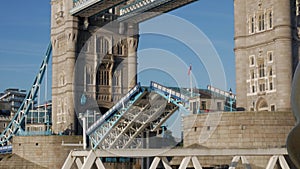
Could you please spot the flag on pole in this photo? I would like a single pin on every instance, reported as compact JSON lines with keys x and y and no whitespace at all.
{"x":190,"y":69}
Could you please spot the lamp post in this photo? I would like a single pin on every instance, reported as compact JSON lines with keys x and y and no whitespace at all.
{"x":82,"y":116}
{"x":230,"y":99}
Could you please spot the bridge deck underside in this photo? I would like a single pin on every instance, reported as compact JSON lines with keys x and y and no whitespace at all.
{"x":92,"y":7}
{"x":125,"y":130}
{"x":150,"y":11}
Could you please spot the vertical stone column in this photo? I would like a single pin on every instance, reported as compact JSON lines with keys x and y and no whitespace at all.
{"x":240,"y":54}
{"x":64,"y":32}
{"x":132,"y":41}
{"x":283,"y":53}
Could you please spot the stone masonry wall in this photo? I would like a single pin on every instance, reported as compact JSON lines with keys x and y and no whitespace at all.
{"x":46,"y":151}
{"x":242,"y":130}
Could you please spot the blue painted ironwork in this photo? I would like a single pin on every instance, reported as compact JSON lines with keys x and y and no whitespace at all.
{"x":87,"y":8}
{"x":102,"y":127}
{"x":140,"y":6}
{"x":17,"y":121}
{"x":6,"y":149}
{"x":124,"y":100}
{"x":179,"y":96}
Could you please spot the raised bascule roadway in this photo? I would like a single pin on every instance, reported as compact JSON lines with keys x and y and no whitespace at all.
{"x":119,"y":131}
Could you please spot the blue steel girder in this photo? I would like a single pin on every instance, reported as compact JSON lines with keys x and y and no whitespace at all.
{"x":154,"y":112}
{"x":130,"y":135}
{"x":122,"y":102}
{"x":155,"y":125}
{"x":177,"y":98}
{"x":16,"y":122}
{"x":121,"y":135}
{"x":136,"y":11}
{"x":103,"y":129}
{"x":87,"y":8}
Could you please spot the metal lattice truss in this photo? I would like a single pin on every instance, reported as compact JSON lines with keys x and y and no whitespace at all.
{"x":125,"y":129}
{"x":135,"y":10}
{"x":142,"y":110}
{"x":17,"y":121}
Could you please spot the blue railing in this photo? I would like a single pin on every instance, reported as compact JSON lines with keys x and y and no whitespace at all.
{"x":174,"y":94}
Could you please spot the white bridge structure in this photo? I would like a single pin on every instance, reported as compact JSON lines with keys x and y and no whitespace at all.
{"x":88,"y":159}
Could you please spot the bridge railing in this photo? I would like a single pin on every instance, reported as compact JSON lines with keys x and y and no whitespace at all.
{"x":168,"y":91}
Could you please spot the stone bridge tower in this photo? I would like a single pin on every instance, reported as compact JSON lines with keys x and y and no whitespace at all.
{"x":266,"y":50}
{"x":107,"y":72}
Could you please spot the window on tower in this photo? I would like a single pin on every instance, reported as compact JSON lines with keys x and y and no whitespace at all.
{"x":261,"y":22}
{"x":252,"y":74}
{"x":271,"y":86}
{"x":270,"y":19}
{"x":251,"y":60}
{"x":261,"y":70}
{"x":262,"y":87}
{"x":252,"y":24}
{"x":270,"y":56}
{"x":102,"y":45}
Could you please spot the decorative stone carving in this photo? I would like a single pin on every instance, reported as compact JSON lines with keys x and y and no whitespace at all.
{"x":59,"y":14}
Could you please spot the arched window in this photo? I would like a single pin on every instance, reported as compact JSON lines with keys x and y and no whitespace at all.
{"x":262,"y":104}
{"x":102,"y":45}
{"x":103,"y":76}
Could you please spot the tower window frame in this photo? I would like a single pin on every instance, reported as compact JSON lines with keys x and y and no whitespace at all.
{"x":270,"y":56}
{"x":261,"y":70}
{"x":270,"y":19}
{"x":260,"y":22}
{"x":251,"y":60}
{"x":272,"y":107}
{"x":251,"y":24}
{"x":253,"y":89}
{"x":271,"y":86}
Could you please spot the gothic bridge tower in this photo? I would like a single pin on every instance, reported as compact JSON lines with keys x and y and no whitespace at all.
{"x":108,"y":70}
{"x":266,"y":50}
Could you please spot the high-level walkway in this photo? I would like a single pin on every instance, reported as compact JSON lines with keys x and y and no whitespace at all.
{"x":138,"y":10}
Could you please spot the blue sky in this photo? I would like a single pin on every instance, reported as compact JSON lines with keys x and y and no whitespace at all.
{"x":25,"y":34}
